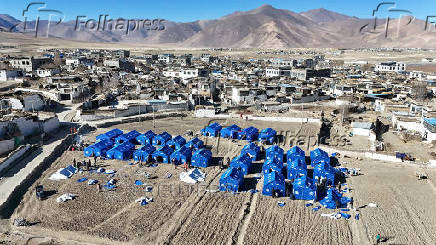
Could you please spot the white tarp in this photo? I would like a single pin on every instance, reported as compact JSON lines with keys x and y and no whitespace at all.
{"x":66,"y":197}
{"x":192,"y":176}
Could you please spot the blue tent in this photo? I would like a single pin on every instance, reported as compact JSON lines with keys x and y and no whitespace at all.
{"x":267,"y":135}
{"x":195,"y":144}
{"x":274,"y":182}
{"x":182,"y":155}
{"x":230,"y":132}
{"x":296,"y":168}
{"x":252,"y":150}
{"x":231,"y":180}
{"x":109,"y":135}
{"x":201,"y":158}
{"x":142,"y":153}
{"x":146,"y":138}
{"x":163,"y":154}
{"x":319,"y":156}
{"x":129,"y":137}
{"x":304,"y":189}
{"x":161,"y":139}
{"x":177,"y":142}
{"x":98,"y":149}
{"x":243,"y":162}
{"x":212,"y":130}
{"x":274,"y":151}
{"x":249,"y":134}
{"x":121,"y":152}
{"x":334,"y":199}
{"x":272,"y":164}
{"x":295,"y":153}
{"x":324,"y":171}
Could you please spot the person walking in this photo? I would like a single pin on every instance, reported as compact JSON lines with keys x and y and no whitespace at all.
{"x":185,"y":165}
{"x":377,"y":238}
{"x":352,"y":203}
{"x":74,"y":163}
{"x":173,"y":161}
{"x":98,"y":188}
{"x":95,"y":160}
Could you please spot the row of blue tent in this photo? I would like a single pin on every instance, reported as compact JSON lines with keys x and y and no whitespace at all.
{"x":267,"y":135}
{"x":161,"y":147}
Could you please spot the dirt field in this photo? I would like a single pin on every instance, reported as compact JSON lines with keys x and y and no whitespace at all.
{"x":196,"y":214}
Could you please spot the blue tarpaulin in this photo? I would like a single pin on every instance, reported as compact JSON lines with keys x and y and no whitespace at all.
{"x":295,"y":153}
{"x":142,"y":153}
{"x":146,"y":138}
{"x":242,"y":162}
{"x":272,"y":164}
{"x":163,"y":154}
{"x":252,"y":150}
{"x":201,"y":158}
{"x":274,"y":182}
{"x":304,"y":189}
{"x":274,"y":151}
{"x":319,"y":156}
{"x":177,"y":142}
{"x":249,"y":134}
{"x":212,"y":130}
{"x":182,"y":155}
{"x":129,"y":137}
{"x":296,"y":168}
{"x":161,"y":139}
{"x":110,"y":135}
{"x":98,"y":149}
{"x":231,"y":180}
{"x":195,"y":144}
{"x":230,"y":132}
{"x":267,"y":135}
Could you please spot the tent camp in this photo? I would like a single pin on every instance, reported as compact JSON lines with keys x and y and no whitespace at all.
{"x":201,"y":158}
{"x":334,"y":199}
{"x":231,"y":180}
{"x":296,"y":168}
{"x":267,"y":135}
{"x":319,"y":156}
{"x":142,"y":153}
{"x":212,"y":130}
{"x":129,"y":137}
{"x":252,"y":150}
{"x":272,"y":164}
{"x":249,"y":134}
{"x":99,"y":148}
{"x":123,"y":151}
{"x":195,"y":144}
{"x":161,"y":139}
{"x":274,"y":184}
{"x":295,"y":153}
{"x":182,"y":155}
{"x":243,"y":162}
{"x":163,"y":154}
{"x":230,"y":132}
{"x":303,"y":188}
{"x":324,"y":171}
{"x":274,"y":151}
{"x":177,"y":142}
{"x":109,"y":135}
{"x":146,"y":138}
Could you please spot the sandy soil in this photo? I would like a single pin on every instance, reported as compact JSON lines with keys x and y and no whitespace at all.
{"x":195,"y":214}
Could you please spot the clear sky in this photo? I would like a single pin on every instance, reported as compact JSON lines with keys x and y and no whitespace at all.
{"x":191,"y":10}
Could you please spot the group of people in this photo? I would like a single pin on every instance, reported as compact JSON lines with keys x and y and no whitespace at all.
{"x":84,"y":165}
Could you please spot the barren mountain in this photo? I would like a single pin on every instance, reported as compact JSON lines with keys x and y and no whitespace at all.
{"x":263,"y":27}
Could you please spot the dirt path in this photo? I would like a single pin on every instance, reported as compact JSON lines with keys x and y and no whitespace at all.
{"x":246,"y":218}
